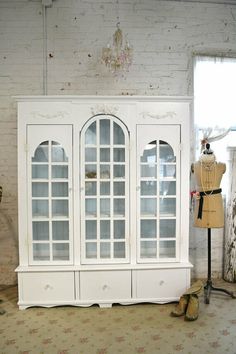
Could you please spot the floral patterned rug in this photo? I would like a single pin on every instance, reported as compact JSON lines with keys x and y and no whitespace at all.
{"x":142,"y":328}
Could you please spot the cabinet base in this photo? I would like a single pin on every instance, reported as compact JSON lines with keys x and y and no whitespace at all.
{"x":104,"y":288}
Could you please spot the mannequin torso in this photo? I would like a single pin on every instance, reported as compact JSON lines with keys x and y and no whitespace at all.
{"x":208,"y":174}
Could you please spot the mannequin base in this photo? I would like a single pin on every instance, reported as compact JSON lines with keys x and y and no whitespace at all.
{"x":209,"y":287}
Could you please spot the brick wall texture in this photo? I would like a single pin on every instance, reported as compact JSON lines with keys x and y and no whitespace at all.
{"x":165,"y":36}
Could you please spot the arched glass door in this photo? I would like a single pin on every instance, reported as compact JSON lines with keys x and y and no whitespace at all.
{"x":50,"y":171}
{"x":104,"y":190}
{"x":158,"y":191}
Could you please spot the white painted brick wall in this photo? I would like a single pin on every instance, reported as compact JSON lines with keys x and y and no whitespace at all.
{"x":164,"y":34}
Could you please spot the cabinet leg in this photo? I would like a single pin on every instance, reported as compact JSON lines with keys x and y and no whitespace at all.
{"x":105,"y":305}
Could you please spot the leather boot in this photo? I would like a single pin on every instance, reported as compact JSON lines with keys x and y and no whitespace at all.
{"x":193,"y":308}
{"x":181,"y":307}
{"x":195,"y":288}
{"x":2,"y":312}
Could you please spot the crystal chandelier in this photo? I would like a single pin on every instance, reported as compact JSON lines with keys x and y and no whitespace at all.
{"x":117,"y":57}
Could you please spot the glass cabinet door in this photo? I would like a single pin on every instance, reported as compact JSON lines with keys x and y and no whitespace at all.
{"x":50,"y":203}
{"x":158,"y":180}
{"x":104,"y":185}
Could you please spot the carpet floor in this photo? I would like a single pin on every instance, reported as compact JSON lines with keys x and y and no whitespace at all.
{"x":142,"y":328}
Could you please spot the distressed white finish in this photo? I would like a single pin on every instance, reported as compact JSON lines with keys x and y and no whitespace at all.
{"x":49,"y":280}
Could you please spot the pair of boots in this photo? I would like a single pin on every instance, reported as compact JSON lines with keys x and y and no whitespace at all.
{"x":189,"y":304}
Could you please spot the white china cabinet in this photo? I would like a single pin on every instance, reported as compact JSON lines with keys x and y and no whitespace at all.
{"x":103,"y":199}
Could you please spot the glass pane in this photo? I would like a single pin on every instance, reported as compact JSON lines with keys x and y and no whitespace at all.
{"x":90,"y":171}
{"x":39,"y":189}
{"x":60,"y":230}
{"x":40,"y":208}
{"x":91,"y":230}
{"x":105,"y":207}
{"x":148,"y":249}
{"x":148,"y":206}
{"x":59,"y":171}
{"x":168,"y":188}
{"x":119,"y":207}
{"x":119,"y":250}
{"x":90,"y":188}
{"x":40,"y":171}
{"x":105,"y":154}
{"x":118,"y":135}
{"x":104,"y":188}
{"x":91,"y":250}
{"x":150,"y":153}
{"x":90,"y":154}
{"x":41,"y":153}
{"x":91,"y":207}
{"x":60,"y":208}
{"x":60,"y":189}
{"x":104,"y":131}
{"x":60,"y":251}
{"x":105,"y":250}
{"x":148,"y":171}
{"x":166,"y":152}
{"x":168,"y":171}
{"x":148,"y":188}
{"x":167,"y":249}
{"x":148,"y":229}
{"x":167,"y":206}
{"x":104,"y":171}
{"x":119,"y":229}
{"x":90,"y":135}
{"x":58,"y":153}
{"x":105,"y":232}
{"x":119,"y":171}
{"x":119,"y":188}
{"x":40,"y":230}
{"x":119,"y":155}
{"x":167,"y":228}
{"x":41,"y":252}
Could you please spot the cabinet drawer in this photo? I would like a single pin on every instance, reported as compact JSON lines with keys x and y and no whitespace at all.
{"x":105,"y":285}
{"x":161,"y":283}
{"x":50,"y":286}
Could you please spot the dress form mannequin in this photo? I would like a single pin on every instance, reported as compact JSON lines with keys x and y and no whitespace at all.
{"x":209,"y":212}
{"x":208,"y":174}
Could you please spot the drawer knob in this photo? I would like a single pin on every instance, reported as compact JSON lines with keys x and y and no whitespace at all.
{"x":161,"y":282}
{"x":105,"y":287}
{"x":48,"y":287}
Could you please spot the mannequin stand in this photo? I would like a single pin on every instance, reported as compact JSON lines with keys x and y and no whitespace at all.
{"x":208,"y":287}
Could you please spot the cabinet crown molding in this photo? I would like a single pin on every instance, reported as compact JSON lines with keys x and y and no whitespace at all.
{"x":95,"y":99}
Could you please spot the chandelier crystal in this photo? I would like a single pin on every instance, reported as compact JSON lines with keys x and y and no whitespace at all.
{"x":118,"y":57}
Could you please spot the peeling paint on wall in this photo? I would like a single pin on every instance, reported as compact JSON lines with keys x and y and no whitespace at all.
{"x":230,"y":224}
